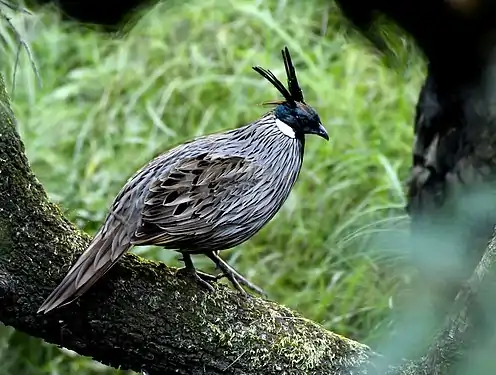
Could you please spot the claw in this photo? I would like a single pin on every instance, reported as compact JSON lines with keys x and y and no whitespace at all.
{"x":203,"y":279}
{"x":234,"y":276}
{"x":208,"y":277}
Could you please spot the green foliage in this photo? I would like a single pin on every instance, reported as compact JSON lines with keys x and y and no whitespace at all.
{"x":109,"y":104}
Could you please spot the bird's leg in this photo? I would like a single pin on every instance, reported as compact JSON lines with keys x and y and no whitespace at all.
{"x":222,"y":274}
{"x":216,"y":265}
{"x":233,"y":276}
{"x":201,"y":278}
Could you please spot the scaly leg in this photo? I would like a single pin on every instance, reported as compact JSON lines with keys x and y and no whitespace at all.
{"x":234,"y":276}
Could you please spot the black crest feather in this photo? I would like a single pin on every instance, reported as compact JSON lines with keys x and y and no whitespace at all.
{"x":293,"y":93}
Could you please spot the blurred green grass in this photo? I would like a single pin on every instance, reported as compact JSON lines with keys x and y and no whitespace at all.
{"x":108,"y":105}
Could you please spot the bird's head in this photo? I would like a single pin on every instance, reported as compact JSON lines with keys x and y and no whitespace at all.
{"x":293,"y":112}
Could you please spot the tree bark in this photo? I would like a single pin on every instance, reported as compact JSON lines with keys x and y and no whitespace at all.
{"x":469,"y":327}
{"x":142,"y":316}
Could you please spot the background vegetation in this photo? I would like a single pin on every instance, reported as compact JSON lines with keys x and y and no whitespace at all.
{"x":109,"y":104}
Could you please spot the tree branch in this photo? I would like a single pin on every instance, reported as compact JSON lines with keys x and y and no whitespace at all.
{"x":464,"y":326}
{"x":142,"y":316}
{"x":465,"y":329}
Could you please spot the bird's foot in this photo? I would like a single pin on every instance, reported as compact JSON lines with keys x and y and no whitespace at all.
{"x":203,"y":279}
{"x":238,"y":281}
{"x":234,"y":276}
{"x":208,"y":277}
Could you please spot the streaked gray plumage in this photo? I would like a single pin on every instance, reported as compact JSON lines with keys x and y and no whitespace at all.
{"x":203,"y":196}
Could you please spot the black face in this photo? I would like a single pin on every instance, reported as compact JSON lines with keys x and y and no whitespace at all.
{"x":302,"y":118}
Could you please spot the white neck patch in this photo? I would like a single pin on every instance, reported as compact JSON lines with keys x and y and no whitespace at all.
{"x":285,"y":128}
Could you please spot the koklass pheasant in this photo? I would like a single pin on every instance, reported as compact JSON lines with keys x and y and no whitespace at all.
{"x":206,"y":195}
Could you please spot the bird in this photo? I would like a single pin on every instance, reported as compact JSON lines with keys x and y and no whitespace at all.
{"x":206,"y":195}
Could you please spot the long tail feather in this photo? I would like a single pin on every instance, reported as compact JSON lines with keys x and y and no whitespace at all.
{"x":98,"y":258}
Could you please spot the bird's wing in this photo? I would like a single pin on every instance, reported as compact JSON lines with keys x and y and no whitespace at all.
{"x":189,"y":199}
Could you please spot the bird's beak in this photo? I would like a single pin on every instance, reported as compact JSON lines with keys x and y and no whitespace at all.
{"x":321,"y":132}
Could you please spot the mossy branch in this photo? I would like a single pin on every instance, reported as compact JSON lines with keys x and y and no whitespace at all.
{"x":142,"y":316}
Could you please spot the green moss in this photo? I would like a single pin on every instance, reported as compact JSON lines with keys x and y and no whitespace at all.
{"x":275,"y":336}
{"x":5,"y":238}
